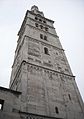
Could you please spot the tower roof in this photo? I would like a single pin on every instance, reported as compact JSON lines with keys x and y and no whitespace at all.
{"x":35,"y":10}
{"x":34,"y":7}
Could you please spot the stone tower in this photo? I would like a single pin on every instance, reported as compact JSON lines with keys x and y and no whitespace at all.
{"x":42,"y":73}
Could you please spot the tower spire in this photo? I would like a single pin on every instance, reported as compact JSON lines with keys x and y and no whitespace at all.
{"x":36,"y":10}
{"x":34,"y":7}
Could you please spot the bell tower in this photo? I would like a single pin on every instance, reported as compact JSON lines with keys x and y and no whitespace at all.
{"x":42,"y":73}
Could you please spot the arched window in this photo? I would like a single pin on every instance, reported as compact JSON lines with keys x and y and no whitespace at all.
{"x":46,"y":51}
{"x":41,"y":26}
{"x":56,"y":110}
{"x":45,"y":37}
{"x":36,"y":24}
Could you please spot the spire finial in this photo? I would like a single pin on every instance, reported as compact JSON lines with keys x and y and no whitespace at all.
{"x":34,"y":7}
{"x":35,"y":10}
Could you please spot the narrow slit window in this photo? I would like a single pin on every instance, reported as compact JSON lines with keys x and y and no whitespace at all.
{"x":46,"y":51}
{"x":69,"y":96}
{"x":41,"y":36}
{"x":56,"y":110}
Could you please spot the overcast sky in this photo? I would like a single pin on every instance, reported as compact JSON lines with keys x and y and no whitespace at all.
{"x":69,"y":24}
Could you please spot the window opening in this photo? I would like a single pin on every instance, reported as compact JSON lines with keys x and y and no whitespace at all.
{"x":56,"y":110}
{"x":1,"y":104}
{"x":45,"y":37}
{"x":39,"y":15}
{"x":41,"y":36}
{"x":41,"y":26}
{"x":40,"y":20}
{"x":44,"y":21}
{"x":69,"y":96}
{"x":46,"y":51}
{"x":56,"y":53}
{"x":46,"y":29}
{"x":36,"y":24}
{"x":36,"y":18}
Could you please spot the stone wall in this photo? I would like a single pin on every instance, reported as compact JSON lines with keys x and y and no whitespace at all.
{"x":47,"y":89}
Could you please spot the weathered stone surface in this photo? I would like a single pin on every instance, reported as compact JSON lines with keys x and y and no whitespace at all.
{"x":42,"y":74}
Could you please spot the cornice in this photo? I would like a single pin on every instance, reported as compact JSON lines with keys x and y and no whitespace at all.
{"x":44,"y":42}
{"x":43,"y":31}
{"x":40,"y":116}
{"x":33,"y":14}
{"x":49,"y":69}
{"x":40,"y":16}
{"x":61,"y":73}
{"x":9,"y":90}
{"x":41,"y":23}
